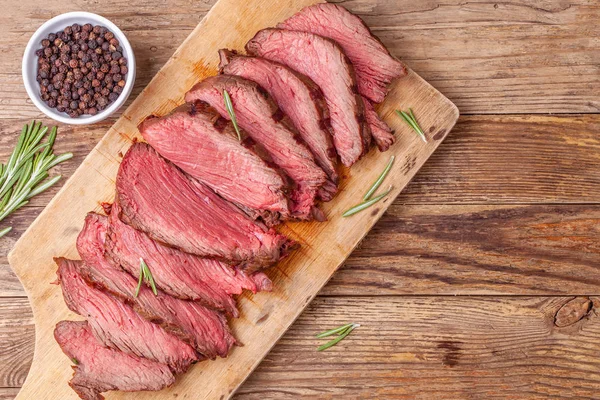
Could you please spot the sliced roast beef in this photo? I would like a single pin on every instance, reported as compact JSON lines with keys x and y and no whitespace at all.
{"x":203,"y":328}
{"x":203,"y":144}
{"x":323,"y":61}
{"x":117,"y":325}
{"x":100,"y":369}
{"x":156,"y":198}
{"x":375,"y":67}
{"x":179,"y":274}
{"x":300,"y":99}
{"x":264,"y":122}
{"x":382,"y":133}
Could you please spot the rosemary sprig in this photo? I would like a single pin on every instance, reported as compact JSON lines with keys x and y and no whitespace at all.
{"x":146,"y":276}
{"x":22,"y":177}
{"x":366,"y":204}
{"x":410,"y":119}
{"x":334,"y":331}
{"x":342,"y":332}
{"x":379,"y":180}
{"x":75,"y":361}
{"x":229,"y":107}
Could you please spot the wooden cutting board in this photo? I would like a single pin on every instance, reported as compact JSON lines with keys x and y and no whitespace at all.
{"x":297,"y":280}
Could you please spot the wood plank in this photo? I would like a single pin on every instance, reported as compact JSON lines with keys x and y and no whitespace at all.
{"x":516,"y":159}
{"x":8,"y":393}
{"x":265,"y":316}
{"x":485,"y":159}
{"x":16,"y":341}
{"x":538,"y":249}
{"x":463,"y":249}
{"x":426,"y":347}
{"x":486,"y":56}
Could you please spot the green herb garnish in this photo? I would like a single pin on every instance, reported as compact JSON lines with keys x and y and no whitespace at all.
{"x":145,"y":276}
{"x":229,"y":107}
{"x":334,"y":331}
{"x":366,"y":204}
{"x":22,"y":177}
{"x":75,"y":361}
{"x":379,"y":180}
{"x":341,"y":331}
{"x":410,"y":119}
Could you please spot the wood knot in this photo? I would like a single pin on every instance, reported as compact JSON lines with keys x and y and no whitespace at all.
{"x":452,"y":353}
{"x":573,"y":311}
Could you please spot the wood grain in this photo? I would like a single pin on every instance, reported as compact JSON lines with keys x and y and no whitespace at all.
{"x":424,"y":347}
{"x":486,"y":56}
{"x":8,"y":393}
{"x":446,"y":249}
{"x":489,"y":57}
{"x":485,"y":159}
{"x":297,"y":280}
{"x":16,"y":341}
{"x":463,"y":249}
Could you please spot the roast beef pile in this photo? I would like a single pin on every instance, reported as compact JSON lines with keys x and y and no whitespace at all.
{"x":194,"y":217}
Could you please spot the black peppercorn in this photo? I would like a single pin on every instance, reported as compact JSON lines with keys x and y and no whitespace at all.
{"x":81,"y":69}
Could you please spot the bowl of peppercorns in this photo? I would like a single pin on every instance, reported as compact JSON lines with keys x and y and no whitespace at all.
{"x":78,"y":68}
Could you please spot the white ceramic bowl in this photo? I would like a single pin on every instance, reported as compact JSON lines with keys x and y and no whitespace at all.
{"x":30,"y":65}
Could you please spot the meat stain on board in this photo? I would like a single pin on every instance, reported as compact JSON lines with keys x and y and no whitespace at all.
{"x":262,"y":319}
{"x":409,"y":164}
{"x":439,"y":135}
{"x":452,"y":352}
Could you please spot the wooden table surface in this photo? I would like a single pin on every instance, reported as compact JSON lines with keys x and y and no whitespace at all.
{"x":481,"y":280}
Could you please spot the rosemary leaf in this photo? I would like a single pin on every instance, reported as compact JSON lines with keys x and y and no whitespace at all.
{"x":334,"y":331}
{"x":148,"y":276}
{"x":5,"y":231}
{"x":411,"y":120}
{"x":141,"y":278}
{"x":379,"y":180}
{"x":366,"y":204}
{"x":229,"y":107}
{"x":39,"y":189}
{"x":75,"y":361}
{"x":23,"y":176}
{"x":338,"y":339}
{"x":58,"y":160}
